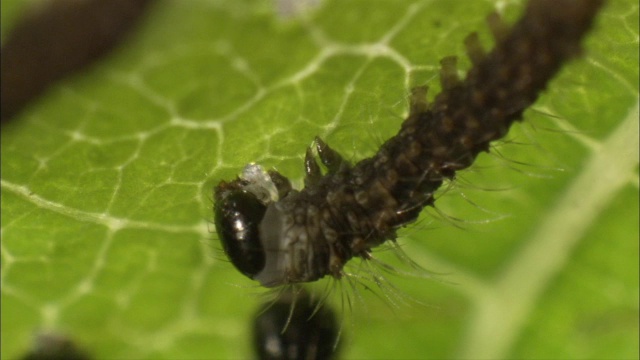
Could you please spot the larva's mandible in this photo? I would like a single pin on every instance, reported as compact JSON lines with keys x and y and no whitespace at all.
{"x":278,"y":235}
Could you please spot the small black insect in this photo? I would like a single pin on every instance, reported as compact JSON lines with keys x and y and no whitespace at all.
{"x":278,"y":235}
{"x":53,"y":346}
{"x":296,"y":327}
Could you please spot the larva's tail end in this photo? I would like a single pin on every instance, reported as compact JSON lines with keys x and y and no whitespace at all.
{"x":568,"y":20}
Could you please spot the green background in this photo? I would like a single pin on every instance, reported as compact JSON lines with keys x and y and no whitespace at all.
{"x":106,"y":185}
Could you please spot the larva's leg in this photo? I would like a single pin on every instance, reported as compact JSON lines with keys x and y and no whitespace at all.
{"x":449,"y":72}
{"x":418,"y":100}
{"x":329,"y":157}
{"x":475,"y":51}
{"x":282,"y":183}
{"x":311,"y":169}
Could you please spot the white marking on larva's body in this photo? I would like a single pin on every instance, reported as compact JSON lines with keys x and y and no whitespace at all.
{"x":259,"y":183}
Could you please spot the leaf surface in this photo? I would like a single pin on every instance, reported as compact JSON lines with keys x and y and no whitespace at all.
{"x":106,"y":185}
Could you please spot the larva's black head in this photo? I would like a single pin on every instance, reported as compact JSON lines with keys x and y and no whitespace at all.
{"x":240,"y":206}
{"x":237,"y":216}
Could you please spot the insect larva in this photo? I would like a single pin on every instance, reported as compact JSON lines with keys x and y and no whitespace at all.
{"x":278,"y":235}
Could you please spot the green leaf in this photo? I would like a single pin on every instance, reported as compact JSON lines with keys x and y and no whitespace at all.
{"x":106,"y":186}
